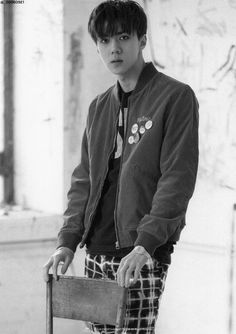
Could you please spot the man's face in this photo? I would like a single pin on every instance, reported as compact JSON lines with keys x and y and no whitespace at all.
{"x":121,"y":52}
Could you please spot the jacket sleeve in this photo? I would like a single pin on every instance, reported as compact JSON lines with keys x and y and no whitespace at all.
{"x":72,"y":230}
{"x":178,"y":165}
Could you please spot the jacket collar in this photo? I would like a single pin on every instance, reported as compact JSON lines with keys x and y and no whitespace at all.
{"x":148,"y":72}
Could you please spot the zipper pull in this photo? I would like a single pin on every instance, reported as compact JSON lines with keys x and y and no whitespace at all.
{"x":117,"y":245}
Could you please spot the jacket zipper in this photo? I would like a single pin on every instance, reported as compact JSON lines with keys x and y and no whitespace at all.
{"x":101,"y":186}
{"x":118,"y":181}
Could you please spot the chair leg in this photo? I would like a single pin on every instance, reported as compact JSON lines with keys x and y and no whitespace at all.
{"x":121,"y":311}
{"x":49,"y":316}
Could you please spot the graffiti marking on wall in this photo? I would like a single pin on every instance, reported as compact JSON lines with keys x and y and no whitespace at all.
{"x":75,"y":59}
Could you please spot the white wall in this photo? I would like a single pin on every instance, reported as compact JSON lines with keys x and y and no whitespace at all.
{"x":23,"y":291}
{"x":199,"y":286}
{"x":38,"y":29}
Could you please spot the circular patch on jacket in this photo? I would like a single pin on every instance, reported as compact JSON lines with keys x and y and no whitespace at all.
{"x":136,"y":138}
{"x":142,"y":130}
{"x":131,"y":140}
{"x":148,"y":124}
{"x":134,"y":128}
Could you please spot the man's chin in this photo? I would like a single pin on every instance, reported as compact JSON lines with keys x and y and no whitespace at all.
{"x":119,"y":72}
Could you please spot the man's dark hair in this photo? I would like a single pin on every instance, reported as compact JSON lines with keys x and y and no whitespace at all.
{"x":112,"y":15}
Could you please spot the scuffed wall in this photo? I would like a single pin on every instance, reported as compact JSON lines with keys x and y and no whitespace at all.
{"x":195,"y":41}
{"x":75,"y":58}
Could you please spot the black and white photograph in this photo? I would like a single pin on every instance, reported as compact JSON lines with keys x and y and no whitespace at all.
{"x":118,"y":167}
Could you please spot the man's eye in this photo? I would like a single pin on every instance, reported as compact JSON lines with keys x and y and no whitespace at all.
{"x":104,"y":40}
{"x":124,"y":37}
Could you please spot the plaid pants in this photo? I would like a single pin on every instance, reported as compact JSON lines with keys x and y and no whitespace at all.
{"x":143,"y":297}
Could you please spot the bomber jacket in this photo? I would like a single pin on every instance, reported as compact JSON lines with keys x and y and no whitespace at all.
{"x":157,"y":174}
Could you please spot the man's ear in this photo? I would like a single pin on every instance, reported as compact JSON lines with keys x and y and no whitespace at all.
{"x":143,"y":41}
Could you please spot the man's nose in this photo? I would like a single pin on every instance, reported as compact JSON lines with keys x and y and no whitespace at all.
{"x":115,"y":47}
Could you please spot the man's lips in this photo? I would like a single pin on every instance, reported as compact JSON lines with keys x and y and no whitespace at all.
{"x":117,"y":61}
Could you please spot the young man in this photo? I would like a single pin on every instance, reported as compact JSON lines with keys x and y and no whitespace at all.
{"x":129,"y":195}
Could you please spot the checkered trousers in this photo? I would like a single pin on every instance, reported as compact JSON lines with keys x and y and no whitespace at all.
{"x":143,"y":297}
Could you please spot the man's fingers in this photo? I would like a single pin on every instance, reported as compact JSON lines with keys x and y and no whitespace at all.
{"x":128,"y":276}
{"x":130,"y":264}
{"x":65,"y":265}
{"x":121,"y":273}
{"x":136,"y":274}
{"x":46,"y":268}
{"x":124,"y":273}
{"x":56,"y":261}
{"x":63,"y":255}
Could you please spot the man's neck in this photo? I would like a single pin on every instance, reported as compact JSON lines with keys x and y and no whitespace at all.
{"x":129,"y":80}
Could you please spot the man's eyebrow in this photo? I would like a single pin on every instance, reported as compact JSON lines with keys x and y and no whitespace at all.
{"x":121,"y":32}
{"x":102,"y":36}
{"x":116,"y":34}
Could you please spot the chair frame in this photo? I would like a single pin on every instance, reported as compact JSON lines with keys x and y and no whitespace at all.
{"x":56,"y":308}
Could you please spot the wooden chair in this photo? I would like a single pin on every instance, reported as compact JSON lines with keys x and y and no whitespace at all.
{"x":80,"y":298}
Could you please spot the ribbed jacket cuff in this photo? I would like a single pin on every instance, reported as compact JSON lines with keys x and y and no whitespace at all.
{"x":67,"y":249}
{"x":68,"y":240}
{"x":147,"y":241}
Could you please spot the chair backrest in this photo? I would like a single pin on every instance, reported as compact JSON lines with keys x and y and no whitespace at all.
{"x":80,"y":298}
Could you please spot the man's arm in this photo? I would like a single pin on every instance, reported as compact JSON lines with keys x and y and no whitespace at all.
{"x":71,"y":233}
{"x":72,"y":230}
{"x":178,"y":164}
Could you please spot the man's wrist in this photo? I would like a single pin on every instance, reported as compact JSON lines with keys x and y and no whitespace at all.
{"x":141,"y":250}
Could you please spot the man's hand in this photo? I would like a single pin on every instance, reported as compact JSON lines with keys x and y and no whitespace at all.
{"x":131,"y":265}
{"x":62,"y":254}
